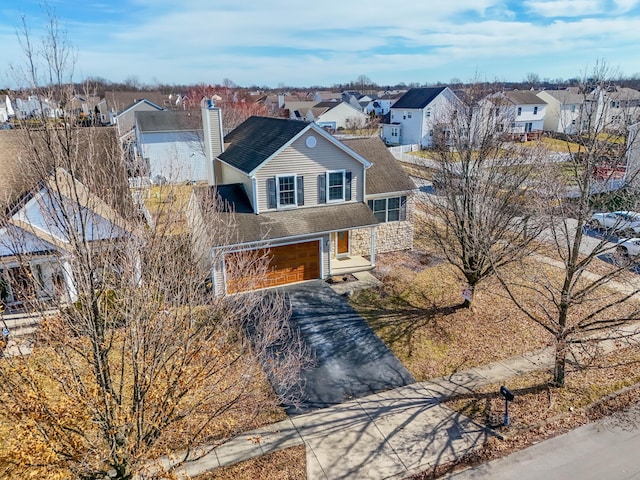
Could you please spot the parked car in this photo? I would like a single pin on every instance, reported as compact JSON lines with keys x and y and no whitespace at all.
{"x":629,"y":247}
{"x":625,"y":222}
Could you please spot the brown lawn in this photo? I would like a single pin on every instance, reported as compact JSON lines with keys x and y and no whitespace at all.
{"x":419,"y":315}
{"x":288,"y":464}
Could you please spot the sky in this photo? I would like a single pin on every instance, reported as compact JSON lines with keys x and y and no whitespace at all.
{"x":312,"y":43}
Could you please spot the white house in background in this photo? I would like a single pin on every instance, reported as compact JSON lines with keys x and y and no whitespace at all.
{"x":381,"y":105}
{"x":565,"y":111}
{"x":414,"y":117}
{"x":632,"y":174}
{"x":171,"y":144}
{"x":522,"y":109}
{"x":6,"y":109}
{"x":338,"y":115}
{"x":618,"y":107}
{"x":34,"y":106}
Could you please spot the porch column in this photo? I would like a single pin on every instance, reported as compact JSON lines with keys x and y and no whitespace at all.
{"x":70,"y":285}
{"x":373,"y":246}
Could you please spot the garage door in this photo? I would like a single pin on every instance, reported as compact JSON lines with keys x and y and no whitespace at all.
{"x":287,"y":264}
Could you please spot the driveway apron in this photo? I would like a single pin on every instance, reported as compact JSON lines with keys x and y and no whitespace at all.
{"x":350,"y":359}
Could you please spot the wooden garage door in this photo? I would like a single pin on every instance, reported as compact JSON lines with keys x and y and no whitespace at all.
{"x":287,"y":264}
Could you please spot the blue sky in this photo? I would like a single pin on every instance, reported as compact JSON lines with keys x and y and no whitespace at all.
{"x":272,"y":42}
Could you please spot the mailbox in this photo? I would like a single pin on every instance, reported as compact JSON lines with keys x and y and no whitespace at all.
{"x":506,"y":393}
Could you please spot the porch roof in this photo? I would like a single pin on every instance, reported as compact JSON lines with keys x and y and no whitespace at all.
{"x":296,"y":222}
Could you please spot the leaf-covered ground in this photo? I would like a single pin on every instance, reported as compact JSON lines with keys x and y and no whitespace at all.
{"x":288,"y":464}
{"x":418,"y":313}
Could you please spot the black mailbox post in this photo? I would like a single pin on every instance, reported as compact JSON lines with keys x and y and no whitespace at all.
{"x":508,"y":396}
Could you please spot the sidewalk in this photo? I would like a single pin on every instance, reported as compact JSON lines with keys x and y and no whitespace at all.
{"x":392,"y":434}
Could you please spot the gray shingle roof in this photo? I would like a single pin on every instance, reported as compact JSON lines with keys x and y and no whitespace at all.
{"x":524,"y":97}
{"x":169,"y":121}
{"x":418,"y":97}
{"x":385,"y":175}
{"x":100,"y":168}
{"x":292,"y":222}
{"x":256,"y":139}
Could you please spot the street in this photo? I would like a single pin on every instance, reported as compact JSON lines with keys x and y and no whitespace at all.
{"x":607,"y":449}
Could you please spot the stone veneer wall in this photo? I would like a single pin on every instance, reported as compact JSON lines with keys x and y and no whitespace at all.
{"x":390,"y":236}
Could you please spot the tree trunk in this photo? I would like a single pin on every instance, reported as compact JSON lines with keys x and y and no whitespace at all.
{"x":560,"y":363}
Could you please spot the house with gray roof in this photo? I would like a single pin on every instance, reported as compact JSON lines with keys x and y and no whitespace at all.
{"x":170,"y":145}
{"x":522,"y":112}
{"x":320,"y":206}
{"x":415,"y":117}
{"x":35,"y":245}
{"x":566,"y":111}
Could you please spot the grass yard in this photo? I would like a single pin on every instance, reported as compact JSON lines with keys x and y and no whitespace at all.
{"x":288,"y":464}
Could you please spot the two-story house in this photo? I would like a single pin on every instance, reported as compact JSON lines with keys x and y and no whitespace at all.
{"x":565,"y":111}
{"x":522,"y":113}
{"x":415,"y":117}
{"x":314,"y":202}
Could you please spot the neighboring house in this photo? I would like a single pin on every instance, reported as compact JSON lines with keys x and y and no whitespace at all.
{"x":522,"y":113}
{"x":415,"y":117}
{"x":339,"y":115}
{"x":36,"y":106}
{"x":618,"y":107}
{"x":171,"y":144}
{"x":381,"y":105}
{"x":313,"y":201}
{"x":566,"y":111}
{"x":632,"y":174}
{"x":6,"y":108}
{"x":125,"y":120}
{"x":34,"y":241}
{"x":326,"y":96}
{"x":298,"y":110}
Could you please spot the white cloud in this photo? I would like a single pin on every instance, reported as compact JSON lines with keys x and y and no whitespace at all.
{"x":565,"y":8}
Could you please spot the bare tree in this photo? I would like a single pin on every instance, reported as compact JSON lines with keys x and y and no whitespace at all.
{"x":140,"y":358}
{"x":479,"y":219}
{"x":577,"y":307}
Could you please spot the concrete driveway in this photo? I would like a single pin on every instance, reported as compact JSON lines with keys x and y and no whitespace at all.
{"x":350,"y":360}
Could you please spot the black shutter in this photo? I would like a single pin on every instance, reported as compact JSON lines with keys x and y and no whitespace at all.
{"x":347,"y":186}
{"x":271,"y":193}
{"x":322,"y":188}
{"x":300,"y":188}
{"x":403,"y":208}
{"x":370,"y":203}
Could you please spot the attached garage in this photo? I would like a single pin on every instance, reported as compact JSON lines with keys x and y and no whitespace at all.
{"x":287,"y":264}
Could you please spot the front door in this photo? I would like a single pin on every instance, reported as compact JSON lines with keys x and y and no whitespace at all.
{"x":343,"y":243}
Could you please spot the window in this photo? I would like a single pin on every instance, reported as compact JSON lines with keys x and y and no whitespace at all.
{"x":615,"y":104}
{"x":427,"y":113}
{"x":573,"y":109}
{"x":519,"y":111}
{"x":286,"y":191}
{"x":392,"y":209}
{"x":408,"y":114}
{"x":335,"y":186}
{"x":528,"y":127}
{"x":535,"y":110}
{"x":394,"y":131}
